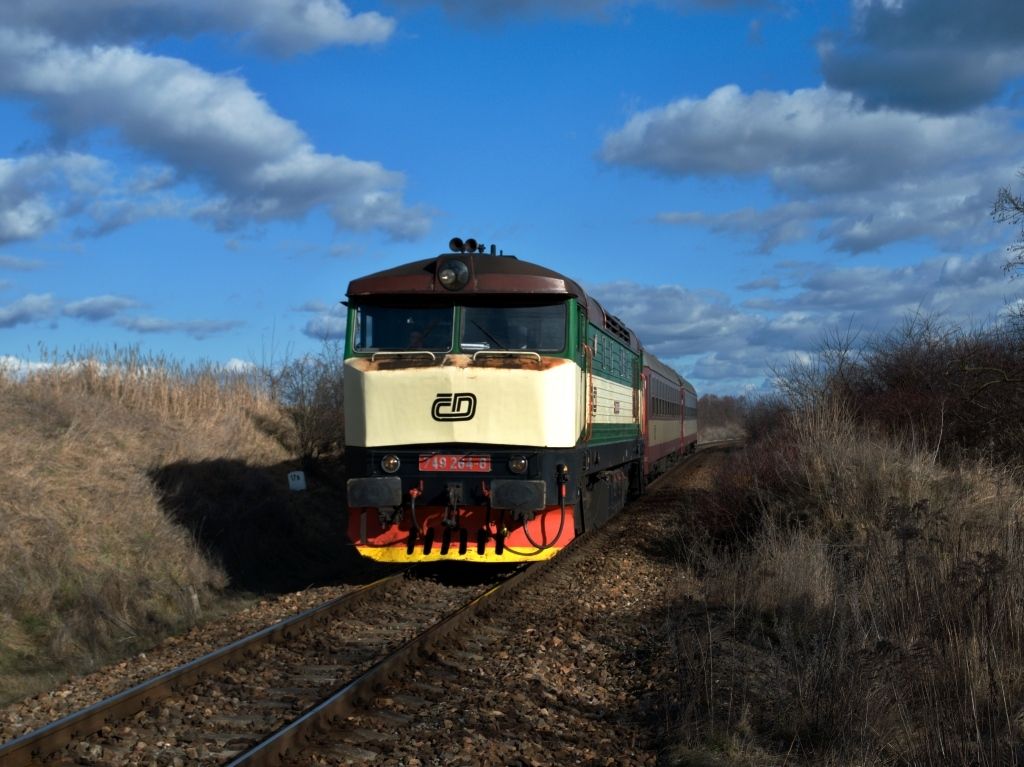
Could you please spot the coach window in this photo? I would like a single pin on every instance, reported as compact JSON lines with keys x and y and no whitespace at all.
{"x":539,"y":328}
{"x":402,"y":328}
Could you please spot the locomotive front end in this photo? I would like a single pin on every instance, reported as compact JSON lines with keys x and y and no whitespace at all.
{"x":464,"y":404}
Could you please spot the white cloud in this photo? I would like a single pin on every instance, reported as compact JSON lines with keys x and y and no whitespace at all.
{"x":212,"y":129}
{"x":344,"y":250}
{"x":98,"y":307}
{"x":198,"y":329}
{"x":736,"y":371}
{"x":119,"y":208}
{"x":316,"y":307}
{"x":725,"y":346}
{"x":152,"y":178}
{"x":765,"y":283}
{"x":672,"y":321}
{"x":29,"y":308}
{"x":328,"y":322}
{"x":36,"y":190}
{"x":18,"y":367}
{"x":860,"y":178}
{"x":818,"y":140}
{"x":499,"y":9}
{"x":236,"y":365}
{"x":936,"y":56}
{"x":325,"y":327}
{"x":956,"y":286}
{"x":281,"y":26}
{"x":789,"y":222}
{"x":19,"y":264}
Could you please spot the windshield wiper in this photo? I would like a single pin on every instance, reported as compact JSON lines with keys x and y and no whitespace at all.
{"x":493,"y":340}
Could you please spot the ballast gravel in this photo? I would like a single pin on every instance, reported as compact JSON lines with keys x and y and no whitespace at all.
{"x":79,"y":692}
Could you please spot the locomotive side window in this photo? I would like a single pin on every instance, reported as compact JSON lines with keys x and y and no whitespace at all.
{"x":537,"y":328}
{"x":401,"y":328}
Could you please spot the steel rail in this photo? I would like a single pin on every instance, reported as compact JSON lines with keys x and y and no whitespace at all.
{"x":46,"y":740}
{"x":721,"y":443}
{"x":346,"y":699}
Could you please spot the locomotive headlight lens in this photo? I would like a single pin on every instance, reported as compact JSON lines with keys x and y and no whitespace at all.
{"x":453,"y":274}
{"x":518,"y":464}
{"x":390,"y":463}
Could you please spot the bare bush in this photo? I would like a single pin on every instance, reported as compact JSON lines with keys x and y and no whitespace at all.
{"x":311,"y":390}
{"x":1009,"y":209}
{"x":720,"y":417}
{"x":764,"y":416}
{"x":950,"y":391}
{"x":872,"y":612}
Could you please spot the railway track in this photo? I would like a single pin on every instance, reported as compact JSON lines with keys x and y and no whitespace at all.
{"x":331,"y":735}
{"x":219,"y":706}
{"x":263,"y":699}
{"x":463,"y":693}
{"x":356,"y":740}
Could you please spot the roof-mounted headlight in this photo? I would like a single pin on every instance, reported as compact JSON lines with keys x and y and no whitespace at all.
{"x":453,"y":274}
{"x":470,"y":245}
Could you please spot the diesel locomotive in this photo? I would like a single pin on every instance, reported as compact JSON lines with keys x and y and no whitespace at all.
{"x":494,"y":410}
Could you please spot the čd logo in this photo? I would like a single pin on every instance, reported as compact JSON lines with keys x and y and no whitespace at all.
{"x":460,"y":406}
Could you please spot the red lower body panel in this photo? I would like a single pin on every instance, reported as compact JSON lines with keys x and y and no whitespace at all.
{"x":477,"y":535}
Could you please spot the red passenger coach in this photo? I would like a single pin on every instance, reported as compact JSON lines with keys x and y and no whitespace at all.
{"x":670,"y":415}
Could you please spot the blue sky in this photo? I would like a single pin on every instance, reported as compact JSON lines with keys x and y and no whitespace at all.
{"x":732,"y":177}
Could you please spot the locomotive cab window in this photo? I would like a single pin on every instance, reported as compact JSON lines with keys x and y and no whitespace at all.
{"x":540,"y":327}
{"x":402,"y":328}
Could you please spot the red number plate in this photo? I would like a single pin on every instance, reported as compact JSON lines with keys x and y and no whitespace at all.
{"x":455,"y":463}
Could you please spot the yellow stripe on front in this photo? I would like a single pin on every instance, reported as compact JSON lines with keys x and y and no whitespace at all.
{"x":398,"y":554}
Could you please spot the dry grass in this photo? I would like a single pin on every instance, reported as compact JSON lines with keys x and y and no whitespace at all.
{"x":723,"y":432}
{"x":91,"y":563}
{"x":874,"y":614}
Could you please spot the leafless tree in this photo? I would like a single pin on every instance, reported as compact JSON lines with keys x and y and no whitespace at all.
{"x":1009,"y":209}
{"x":312,"y":392}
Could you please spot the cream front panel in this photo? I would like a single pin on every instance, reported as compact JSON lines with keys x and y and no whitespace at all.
{"x":534,"y":405}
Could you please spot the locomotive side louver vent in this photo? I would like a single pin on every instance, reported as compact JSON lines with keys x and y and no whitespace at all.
{"x":616,"y":327}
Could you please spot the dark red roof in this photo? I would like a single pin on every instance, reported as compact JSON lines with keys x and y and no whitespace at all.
{"x":487,"y":274}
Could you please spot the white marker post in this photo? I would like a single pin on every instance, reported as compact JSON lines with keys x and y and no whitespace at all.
{"x":296,"y":480}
